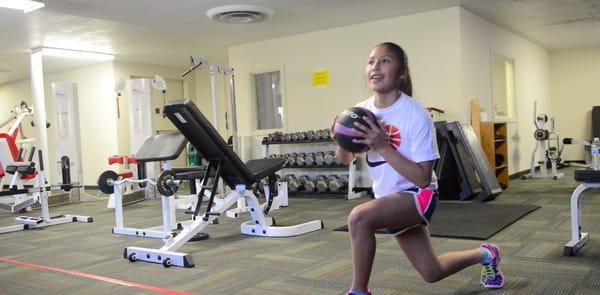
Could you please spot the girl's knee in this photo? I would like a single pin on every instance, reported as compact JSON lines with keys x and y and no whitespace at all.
{"x":431,"y":275}
{"x":358,"y":218}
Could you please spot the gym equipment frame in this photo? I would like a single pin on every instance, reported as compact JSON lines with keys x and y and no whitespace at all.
{"x":241,"y":178}
{"x":590,"y":179}
{"x":111,"y":183}
{"x":544,"y":151}
{"x":162,"y":147}
{"x":41,"y":195}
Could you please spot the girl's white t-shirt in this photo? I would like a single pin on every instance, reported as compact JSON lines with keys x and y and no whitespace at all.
{"x":410,"y":131}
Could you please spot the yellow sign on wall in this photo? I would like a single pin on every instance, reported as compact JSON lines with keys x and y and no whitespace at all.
{"x":320,"y":78}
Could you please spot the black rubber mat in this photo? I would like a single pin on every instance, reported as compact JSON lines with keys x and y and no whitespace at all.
{"x":472,"y":220}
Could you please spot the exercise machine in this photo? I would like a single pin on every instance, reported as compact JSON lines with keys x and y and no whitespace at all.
{"x":141,"y":127}
{"x":13,"y":143}
{"x":242,"y":178}
{"x":590,"y":180}
{"x":162,"y":147}
{"x":20,"y":170}
{"x":41,"y":195}
{"x":67,"y":134}
{"x":548,"y":148}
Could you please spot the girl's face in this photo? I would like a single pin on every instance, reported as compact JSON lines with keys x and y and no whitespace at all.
{"x":382,"y":70}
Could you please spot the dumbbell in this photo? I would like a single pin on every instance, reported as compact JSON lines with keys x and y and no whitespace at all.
{"x":319,"y":134}
{"x":274,"y":137}
{"x":322,"y":183}
{"x":301,"y":181}
{"x":339,"y":184}
{"x":287,"y":137}
{"x":327,"y":134}
{"x":300,"y":159}
{"x":309,"y":185}
{"x":293,"y":184}
{"x":319,"y":159}
{"x":302,"y":136}
{"x":309,"y":160}
{"x":291,"y":161}
{"x":310,"y":135}
{"x":329,"y":158}
{"x":294,"y":136}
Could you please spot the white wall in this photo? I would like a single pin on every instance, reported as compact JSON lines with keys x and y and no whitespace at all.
{"x":575,"y":90}
{"x":532,"y":79}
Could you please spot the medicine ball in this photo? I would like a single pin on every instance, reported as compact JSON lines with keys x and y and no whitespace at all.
{"x":344,"y":130}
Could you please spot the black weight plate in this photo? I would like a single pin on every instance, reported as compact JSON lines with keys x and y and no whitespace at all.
{"x":103,"y":184}
{"x":162,"y":185}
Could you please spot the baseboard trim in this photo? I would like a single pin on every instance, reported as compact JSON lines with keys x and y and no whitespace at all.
{"x":519,"y":174}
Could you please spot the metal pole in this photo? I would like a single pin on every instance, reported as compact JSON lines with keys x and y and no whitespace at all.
{"x":196,"y":62}
{"x":213,"y":92}
{"x":39,"y":104}
{"x":233,"y":116}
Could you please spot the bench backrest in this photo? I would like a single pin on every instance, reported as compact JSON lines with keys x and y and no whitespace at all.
{"x":199,"y":132}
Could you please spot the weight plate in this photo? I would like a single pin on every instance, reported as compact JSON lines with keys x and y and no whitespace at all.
{"x":103,"y":184}
{"x":165,"y":185}
{"x":541,"y":134}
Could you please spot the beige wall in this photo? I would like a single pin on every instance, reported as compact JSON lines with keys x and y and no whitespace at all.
{"x":203,"y":96}
{"x":575,"y":90}
{"x":343,"y":52}
{"x":97,"y":115}
{"x":532,"y":79}
{"x":102,"y":133}
{"x":127,"y":71}
{"x":449,"y":57}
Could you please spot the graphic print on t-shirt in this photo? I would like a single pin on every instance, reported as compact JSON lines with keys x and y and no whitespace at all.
{"x":393,"y":137}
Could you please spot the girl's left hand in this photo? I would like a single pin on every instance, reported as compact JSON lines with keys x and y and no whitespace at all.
{"x":373,"y":134}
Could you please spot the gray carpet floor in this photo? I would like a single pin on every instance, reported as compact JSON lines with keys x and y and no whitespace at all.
{"x":316,"y":263}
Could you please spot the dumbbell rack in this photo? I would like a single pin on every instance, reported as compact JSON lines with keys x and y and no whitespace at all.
{"x":351,"y":168}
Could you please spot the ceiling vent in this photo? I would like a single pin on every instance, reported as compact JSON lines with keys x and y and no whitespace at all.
{"x":239,"y":14}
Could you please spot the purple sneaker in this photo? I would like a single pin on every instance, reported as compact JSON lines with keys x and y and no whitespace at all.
{"x":491,"y":276}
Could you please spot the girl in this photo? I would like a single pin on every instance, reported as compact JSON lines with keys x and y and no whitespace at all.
{"x":402,"y":150}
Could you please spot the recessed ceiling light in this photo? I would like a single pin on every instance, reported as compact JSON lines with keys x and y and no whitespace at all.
{"x":239,"y":14}
{"x":25,"y":5}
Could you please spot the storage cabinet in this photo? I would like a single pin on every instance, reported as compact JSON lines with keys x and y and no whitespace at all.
{"x":494,"y":141}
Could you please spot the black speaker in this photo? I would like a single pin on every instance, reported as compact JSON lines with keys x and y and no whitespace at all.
{"x":595,"y":122}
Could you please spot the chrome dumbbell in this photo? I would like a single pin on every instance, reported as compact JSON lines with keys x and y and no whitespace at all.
{"x":340,"y":184}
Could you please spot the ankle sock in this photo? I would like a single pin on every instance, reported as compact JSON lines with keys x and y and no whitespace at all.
{"x":355,"y":292}
{"x":487,"y":256}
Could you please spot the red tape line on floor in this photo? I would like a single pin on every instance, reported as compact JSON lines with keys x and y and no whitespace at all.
{"x":94,"y":277}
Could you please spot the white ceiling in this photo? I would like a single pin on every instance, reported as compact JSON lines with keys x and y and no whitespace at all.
{"x":166,"y":32}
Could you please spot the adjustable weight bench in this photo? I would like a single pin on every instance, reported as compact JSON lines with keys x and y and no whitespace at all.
{"x":590,"y":179}
{"x":242,"y":178}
